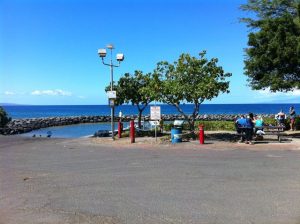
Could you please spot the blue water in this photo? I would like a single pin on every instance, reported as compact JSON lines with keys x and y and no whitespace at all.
{"x":81,"y":130}
{"x":63,"y":111}
{"x":72,"y":131}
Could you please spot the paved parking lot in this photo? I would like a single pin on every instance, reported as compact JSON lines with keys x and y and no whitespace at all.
{"x":96,"y":181}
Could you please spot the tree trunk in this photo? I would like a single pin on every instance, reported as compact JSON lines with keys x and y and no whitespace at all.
{"x":140,"y":118}
{"x":140,"y":109}
{"x":194,"y":115}
{"x":192,"y":125}
{"x":181,"y":112}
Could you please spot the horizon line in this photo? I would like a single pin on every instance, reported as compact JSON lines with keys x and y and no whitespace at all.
{"x":14,"y":104}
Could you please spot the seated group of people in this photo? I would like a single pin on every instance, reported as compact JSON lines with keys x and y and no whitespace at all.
{"x":253,"y":125}
{"x":250,"y":125}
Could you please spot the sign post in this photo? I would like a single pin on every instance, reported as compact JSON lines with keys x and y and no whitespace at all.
{"x":156,"y":116}
{"x":112,"y":95}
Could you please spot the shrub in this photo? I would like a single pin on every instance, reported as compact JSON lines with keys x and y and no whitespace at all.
{"x":217,"y":125}
{"x":270,"y":121}
{"x":4,"y":119}
{"x":148,"y":133}
{"x":208,"y":126}
{"x":168,"y":127}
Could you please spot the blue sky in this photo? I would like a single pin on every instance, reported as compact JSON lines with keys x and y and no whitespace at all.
{"x":48,"y":48}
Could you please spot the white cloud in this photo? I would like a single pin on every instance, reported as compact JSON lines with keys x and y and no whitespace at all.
{"x":9,"y":93}
{"x":269,"y":94}
{"x":55,"y":92}
{"x":295,"y":92}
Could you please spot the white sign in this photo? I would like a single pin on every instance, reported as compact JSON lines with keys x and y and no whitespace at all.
{"x":155,"y":113}
{"x":112,"y":94}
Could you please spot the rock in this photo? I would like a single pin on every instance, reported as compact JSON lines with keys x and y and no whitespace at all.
{"x":101,"y":133}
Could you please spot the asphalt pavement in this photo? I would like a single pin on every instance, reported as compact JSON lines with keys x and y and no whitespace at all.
{"x":89,"y":181}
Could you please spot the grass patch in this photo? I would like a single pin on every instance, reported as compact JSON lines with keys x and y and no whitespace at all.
{"x":208,"y":126}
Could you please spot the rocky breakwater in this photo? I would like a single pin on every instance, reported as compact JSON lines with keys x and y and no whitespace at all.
{"x":19,"y":126}
{"x":209,"y":117}
{"x":226,"y":117}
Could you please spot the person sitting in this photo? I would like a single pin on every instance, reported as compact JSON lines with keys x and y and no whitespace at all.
{"x":280,"y":117}
{"x":259,"y":123}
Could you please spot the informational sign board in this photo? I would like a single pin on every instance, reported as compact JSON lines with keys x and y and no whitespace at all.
{"x":112,"y":94}
{"x":155,"y":113}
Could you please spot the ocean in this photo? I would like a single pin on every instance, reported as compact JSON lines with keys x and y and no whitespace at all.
{"x":81,"y":130}
{"x":64,"y":111}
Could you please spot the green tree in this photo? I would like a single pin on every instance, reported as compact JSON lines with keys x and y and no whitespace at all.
{"x":4,"y":119}
{"x":190,"y":80}
{"x":273,"y":56}
{"x":129,"y":91}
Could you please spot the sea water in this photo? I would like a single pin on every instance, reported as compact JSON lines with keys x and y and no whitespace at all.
{"x":71,"y":131}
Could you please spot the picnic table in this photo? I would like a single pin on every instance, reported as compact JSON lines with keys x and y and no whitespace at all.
{"x":267,"y":130}
{"x":274,"y":130}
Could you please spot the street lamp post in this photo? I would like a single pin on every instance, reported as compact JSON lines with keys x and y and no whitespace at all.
{"x":120,"y":57}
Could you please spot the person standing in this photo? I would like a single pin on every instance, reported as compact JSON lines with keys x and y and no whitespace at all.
{"x":240,"y":124}
{"x":280,"y":117}
{"x":120,"y":115}
{"x":292,"y":117}
{"x":250,"y":128}
{"x":246,"y":125}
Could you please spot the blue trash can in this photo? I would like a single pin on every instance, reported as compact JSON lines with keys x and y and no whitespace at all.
{"x":176,"y":135}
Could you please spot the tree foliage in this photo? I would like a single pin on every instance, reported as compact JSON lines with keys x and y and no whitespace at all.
{"x":4,"y":119}
{"x":273,"y":56}
{"x":190,"y":80}
{"x":129,"y":91}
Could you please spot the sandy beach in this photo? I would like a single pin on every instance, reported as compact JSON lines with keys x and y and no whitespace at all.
{"x":45,"y":180}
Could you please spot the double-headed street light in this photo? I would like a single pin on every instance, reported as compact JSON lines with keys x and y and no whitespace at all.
{"x":112,"y":94}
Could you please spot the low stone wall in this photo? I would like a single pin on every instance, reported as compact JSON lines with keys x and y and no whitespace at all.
{"x":19,"y":126}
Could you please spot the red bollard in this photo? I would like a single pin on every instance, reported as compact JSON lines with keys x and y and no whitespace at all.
{"x":201,"y":134}
{"x":132,"y":132}
{"x":120,"y":129}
